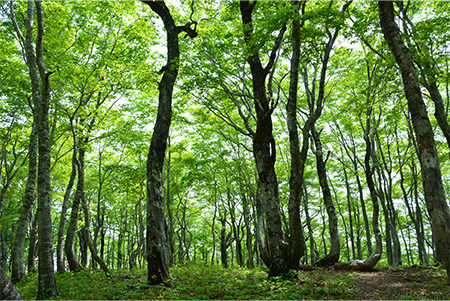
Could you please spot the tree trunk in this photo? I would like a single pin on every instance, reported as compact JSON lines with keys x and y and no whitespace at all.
{"x":60,"y":263}
{"x":350,"y":214}
{"x":40,"y":85}
{"x":72,"y":260}
{"x":429,"y":161}
{"x":7,"y":289}
{"x":87,"y":237}
{"x":157,"y":247}
{"x":32,"y":248}
{"x":248,"y":231}
{"x":312,"y":243}
{"x":18,"y":269}
{"x":335,"y":244}
{"x":364,"y":265}
{"x":297,"y":245}
{"x":264,"y":149}
{"x":260,"y":226}
{"x":225,"y":242}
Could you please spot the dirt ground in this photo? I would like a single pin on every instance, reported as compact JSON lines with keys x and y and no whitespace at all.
{"x":408,"y":283}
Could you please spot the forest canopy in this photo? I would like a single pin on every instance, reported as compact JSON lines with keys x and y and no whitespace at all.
{"x":281,"y":134}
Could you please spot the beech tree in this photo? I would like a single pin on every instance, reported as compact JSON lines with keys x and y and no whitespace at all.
{"x":40,"y":84}
{"x":431,"y":171}
{"x":212,"y":153}
{"x":157,"y":251}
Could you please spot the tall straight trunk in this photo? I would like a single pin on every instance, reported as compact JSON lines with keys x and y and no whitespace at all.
{"x":297,"y":245}
{"x":40,"y":86}
{"x":260,"y":226}
{"x":31,"y":262}
{"x":248,"y":230}
{"x":157,"y":247}
{"x":60,"y":262}
{"x":264,"y":149}
{"x":312,"y":244}
{"x":350,"y":214}
{"x":18,"y":269}
{"x":428,"y":157}
{"x":335,"y":244}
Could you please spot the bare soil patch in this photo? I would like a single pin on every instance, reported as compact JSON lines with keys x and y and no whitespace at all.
{"x":408,"y":283}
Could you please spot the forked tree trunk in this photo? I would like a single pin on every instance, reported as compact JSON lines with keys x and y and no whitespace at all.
{"x":428,"y":157}
{"x":72,"y":260}
{"x":264,"y":150}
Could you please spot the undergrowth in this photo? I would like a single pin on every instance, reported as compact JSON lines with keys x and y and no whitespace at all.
{"x":199,"y":282}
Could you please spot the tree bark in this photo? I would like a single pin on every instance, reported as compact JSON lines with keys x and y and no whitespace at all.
{"x":72,"y":260}
{"x":18,"y":269}
{"x":428,"y":157}
{"x":264,"y":146}
{"x":248,"y":230}
{"x":31,"y":262}
{"x":40,"y":85}
{"x":335,"y":244}
{"x":297,"y":245}
{"x":60,"y":262}
{"x":157,"y":246}
{"x":7,"y":289}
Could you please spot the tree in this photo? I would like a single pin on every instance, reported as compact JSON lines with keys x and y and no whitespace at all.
{"x":264,"y":149}
{"x":157,"y":251}
{"x":40,"y":84}
{"x":8,"y":291}
{"x":428,"y":157}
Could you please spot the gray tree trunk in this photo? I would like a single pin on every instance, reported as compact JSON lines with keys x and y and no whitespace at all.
{"x":428,"y":157}
{"x":335,"y":244}
{"x":7,"y":289}
{"x":264,"y":149}
{"x":18,"y":269}
{"x":157,"y":245}
{"x":40,"y":85}
{"x":297,"y":245}
{"x":60,"y":262}
{"x":72,"y":260}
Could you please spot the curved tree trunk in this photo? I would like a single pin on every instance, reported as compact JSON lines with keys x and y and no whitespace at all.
{"x":335,"y":244}
{"x":429,"y":161}
{"x":157,"y":246}
{"x":264,"y":146}
{"x":18,"y":269}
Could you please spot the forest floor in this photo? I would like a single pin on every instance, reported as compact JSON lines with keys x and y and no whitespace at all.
{"x":198,"y":282}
